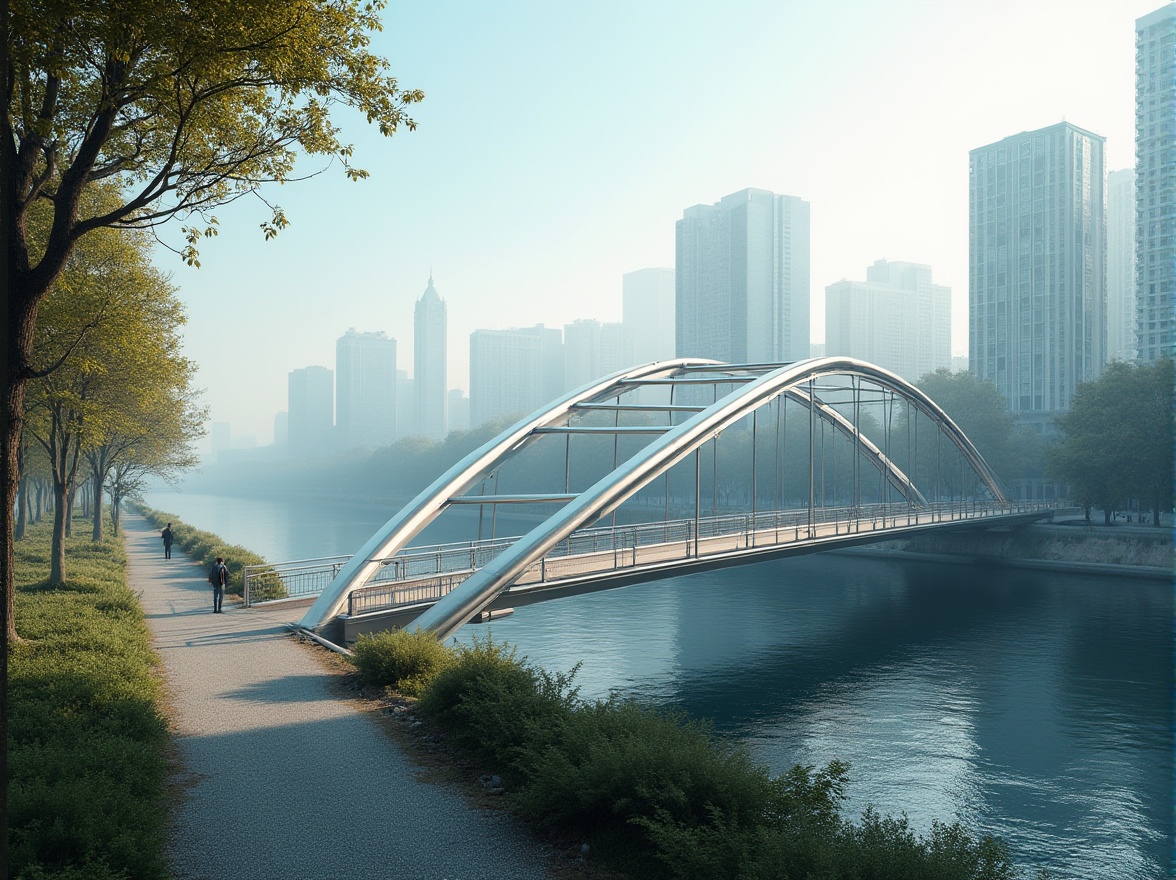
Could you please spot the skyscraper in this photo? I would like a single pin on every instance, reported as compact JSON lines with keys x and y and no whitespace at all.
{"x":1155,"y":183}
{"x":311,"y":411}
{"x":592,"y":350}
{"x":648,"y":313}
{"x":513,"y":372}
{"x":1036,"y":272}
{"x":742,"y":279}
{"x":365,"y":387}
{"x":896,"y":319}
{"x":1121,"y":265}
{"x":429,"y":363}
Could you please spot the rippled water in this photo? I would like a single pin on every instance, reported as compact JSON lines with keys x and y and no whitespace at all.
{"x":1032,"y":705}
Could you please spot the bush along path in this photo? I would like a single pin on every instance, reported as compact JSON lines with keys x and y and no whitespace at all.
{"x":283,"y":778}
{"x":654,"y":795}
{"x":87,"y":739}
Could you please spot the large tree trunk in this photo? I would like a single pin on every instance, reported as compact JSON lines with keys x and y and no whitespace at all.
{"x":40,"y":495}
{"x":61,"y":511}
{"x":115,"y":512}
{"x":22,"y":507}
{"x":96,"y":481}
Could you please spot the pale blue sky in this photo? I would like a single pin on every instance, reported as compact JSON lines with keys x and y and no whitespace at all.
{"x":559,"y":142}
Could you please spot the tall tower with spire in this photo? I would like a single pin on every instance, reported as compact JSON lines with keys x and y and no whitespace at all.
{"x":429,"y":359}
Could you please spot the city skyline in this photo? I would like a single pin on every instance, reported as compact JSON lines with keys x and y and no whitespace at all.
{"x":578,"y":204}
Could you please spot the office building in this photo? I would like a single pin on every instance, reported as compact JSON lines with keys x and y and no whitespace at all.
{"x":1121,"y":265}
{"x":311,"y":411}
{"x":1155,"y":183}
{"x":593,"y":350}
{"x":1036,"y":271}
{"x":742,"y":279}
{"x":365,"y":388}
{"x":429,"y":364}
{"x":896,"y":319}
{"x":514,"y":372}
{"x":648,"y":314}
{"x":406,"y":425}
{"x":459,"y":410}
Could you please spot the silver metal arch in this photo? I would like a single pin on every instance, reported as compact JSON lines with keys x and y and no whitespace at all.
{"x":408,"y":523}
{"x":481,"y":588}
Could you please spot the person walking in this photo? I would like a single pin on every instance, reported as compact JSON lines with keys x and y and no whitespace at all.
{"x":168,"y":537}
{"x":219,"y":578}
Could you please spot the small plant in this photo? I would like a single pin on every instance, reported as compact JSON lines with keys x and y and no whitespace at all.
{"x":405,"y":660}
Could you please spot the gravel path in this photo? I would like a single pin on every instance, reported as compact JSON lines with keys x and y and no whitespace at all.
{"x":285,"y":779}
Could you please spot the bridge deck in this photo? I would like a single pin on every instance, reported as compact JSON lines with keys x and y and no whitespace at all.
{"x":601,"y":558}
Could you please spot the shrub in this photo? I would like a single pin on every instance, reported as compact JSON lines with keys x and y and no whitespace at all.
{"x":497,"y":707}
{"x":406,"y":660}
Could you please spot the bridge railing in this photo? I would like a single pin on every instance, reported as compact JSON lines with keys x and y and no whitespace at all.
{"x":423,"y":574}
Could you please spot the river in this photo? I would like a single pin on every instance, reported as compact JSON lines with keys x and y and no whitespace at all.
{"x":1033,"y":705}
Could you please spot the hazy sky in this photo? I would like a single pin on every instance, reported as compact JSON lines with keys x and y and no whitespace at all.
{"x":558,"y":143}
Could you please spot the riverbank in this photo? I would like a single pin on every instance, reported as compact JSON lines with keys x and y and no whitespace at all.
{"x":87,"y":736}
{"x":1123,"y":551}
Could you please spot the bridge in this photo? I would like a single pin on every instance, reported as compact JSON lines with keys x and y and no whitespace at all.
{"x":789,"y":458}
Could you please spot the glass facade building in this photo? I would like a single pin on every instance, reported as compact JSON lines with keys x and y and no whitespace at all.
{"x":1036,"y":267}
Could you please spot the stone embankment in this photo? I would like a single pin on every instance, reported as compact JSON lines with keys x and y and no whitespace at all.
{"x":1125,"y":551}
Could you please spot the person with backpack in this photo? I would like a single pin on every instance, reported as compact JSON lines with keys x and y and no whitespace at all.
{"x":219,"y":578}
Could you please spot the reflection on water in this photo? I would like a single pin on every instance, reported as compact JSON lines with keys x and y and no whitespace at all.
{"x":1032,"y":705}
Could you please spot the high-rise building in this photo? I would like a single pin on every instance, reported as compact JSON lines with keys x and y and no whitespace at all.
{"x":742,"y":279}
{"x":311,"y":411}
{"x":429,"y":363}
{"x":1155,"y":183}
{"x":514,"y":372}
{"x":648,"y":314}
{"x":1036,"y":271}
{"x":896,"y":319}
{"x":365,"y":389}
{"x":1121,"y":265}
{"x":459,"y":410}
{"x":593,"y":350}
{"x":406,"y":426}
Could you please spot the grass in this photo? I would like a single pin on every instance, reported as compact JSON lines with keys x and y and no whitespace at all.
{"x":658,"y":795}
{"x":87,"y":738}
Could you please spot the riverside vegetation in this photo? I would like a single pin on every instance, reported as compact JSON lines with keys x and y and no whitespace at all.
{"x":656,"y":795}
{"x":204,"y":547}
{"x":87,"y":737}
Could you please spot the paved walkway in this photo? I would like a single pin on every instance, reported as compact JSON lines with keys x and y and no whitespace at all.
{"x":288,"y":780}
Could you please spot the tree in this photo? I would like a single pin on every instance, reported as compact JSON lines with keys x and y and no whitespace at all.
{"x":181,"y":107}
{"x":113,"y":322}
{"x":1116,"y":440}
{"x":981,"y":413}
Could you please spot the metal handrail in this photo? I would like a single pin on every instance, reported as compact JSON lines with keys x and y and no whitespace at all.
{"x":420,"y":575}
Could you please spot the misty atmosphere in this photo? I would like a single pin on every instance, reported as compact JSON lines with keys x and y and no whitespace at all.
{"x":638,"y":440}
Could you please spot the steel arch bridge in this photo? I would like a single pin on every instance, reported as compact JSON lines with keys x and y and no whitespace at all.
{"x":450,"y":585}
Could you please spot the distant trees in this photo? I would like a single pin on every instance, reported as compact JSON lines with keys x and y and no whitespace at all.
{"x":1116,"y":443}
{"x":119,"y":385}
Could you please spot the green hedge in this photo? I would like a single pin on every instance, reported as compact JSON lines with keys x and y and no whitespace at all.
{"x":204,"y":547}
{"x":658,"y":795}
{"x":87,"y":739}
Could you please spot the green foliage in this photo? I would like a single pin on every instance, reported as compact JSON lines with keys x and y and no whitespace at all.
{"x":204,"y":547}
{"x":660,"y":796}
{"x":497,"y":707}
{"x":407,"y":660}
{"x":86,"y":736}
{"x":1117,"y":438}
{"x":981,"y":413}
